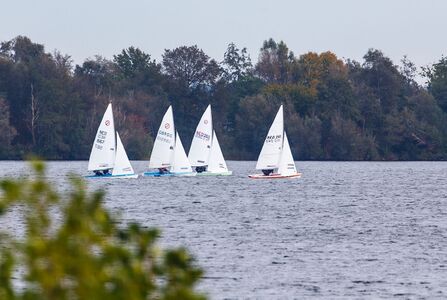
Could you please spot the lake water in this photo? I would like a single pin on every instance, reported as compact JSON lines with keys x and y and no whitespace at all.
{"x":344,"y":230}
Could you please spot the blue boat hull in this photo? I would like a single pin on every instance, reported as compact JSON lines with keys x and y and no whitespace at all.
{"x":111,"y":176}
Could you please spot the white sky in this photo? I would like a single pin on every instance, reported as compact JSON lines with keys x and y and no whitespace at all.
{"x":84,"y":28}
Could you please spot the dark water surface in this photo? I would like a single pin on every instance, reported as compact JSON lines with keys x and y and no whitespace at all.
{"x":344,"y":230}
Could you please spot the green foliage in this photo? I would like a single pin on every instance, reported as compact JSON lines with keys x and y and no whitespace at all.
{"x":8,"y":132}
{"x":335,"y":109}
{"x":82,"y":253}
{"x":133,"y":61}
{"x":437,"y":85}
{"x":347,"y":142}
{"x":275,"y":62}
{"x":237,"y":63}
{"x":252,"y":128}
{"x":190,"y":67}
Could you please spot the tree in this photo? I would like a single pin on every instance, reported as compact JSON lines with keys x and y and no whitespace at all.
{"x":137,"y":71}
{"x":190,"y":67}
{"x":21,"y":49}
{"x":307,"y":133}
{"x":251,"y":128}
{"x":7,"y":133}
{"x":132,"y":61}
{"x":26,"y":58}
{"x":274,"y":63}
{"x":97,"y":76}
{"x":236,"y":63}
{"x":346,"y":141}
{"x":437,"y":81}
{"x":384,"y":78}
{"x":85,"y":255}
{"x":408,"y":70}
{"x":56,"y":111}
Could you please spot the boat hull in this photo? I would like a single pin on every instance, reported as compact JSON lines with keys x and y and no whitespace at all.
{"x":228,"y":173}
{"x":158,"y":174}
{"x":109,"y":176}
{"x":274,"y":176}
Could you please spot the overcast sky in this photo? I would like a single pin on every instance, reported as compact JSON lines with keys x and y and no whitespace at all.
{"x":84,"y":28}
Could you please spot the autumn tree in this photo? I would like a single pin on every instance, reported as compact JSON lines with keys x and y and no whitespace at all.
{"x":330,"y":102}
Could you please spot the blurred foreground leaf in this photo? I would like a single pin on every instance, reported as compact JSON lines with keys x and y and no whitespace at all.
{"x":84,"y":255}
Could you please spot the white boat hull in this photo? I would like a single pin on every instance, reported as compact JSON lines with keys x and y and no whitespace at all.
{"x":206,"y":173}
{"x":189,"y":174}
{"x":274,"y":176}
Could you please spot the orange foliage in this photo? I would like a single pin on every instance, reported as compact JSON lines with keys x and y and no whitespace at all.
{"x":314,"y":67}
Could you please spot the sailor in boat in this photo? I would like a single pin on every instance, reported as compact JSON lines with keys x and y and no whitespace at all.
{"x":200,"y":169}
{"x":162,"y":170}
{"x":102,"y":173}
{"x":267,"y":172}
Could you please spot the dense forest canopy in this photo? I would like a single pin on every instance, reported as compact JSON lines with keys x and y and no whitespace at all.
{"x":334,"y":109}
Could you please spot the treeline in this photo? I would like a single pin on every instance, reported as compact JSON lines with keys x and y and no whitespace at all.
{"x":334,"y":109}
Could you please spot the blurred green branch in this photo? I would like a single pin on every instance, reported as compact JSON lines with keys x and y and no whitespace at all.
{"x":84,"y":255}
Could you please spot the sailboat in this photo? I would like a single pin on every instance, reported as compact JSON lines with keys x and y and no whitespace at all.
{"x":205,"y":153}
{"x":168,"y":154}
{"x":108,"y":153}
{"x":275,"y":159}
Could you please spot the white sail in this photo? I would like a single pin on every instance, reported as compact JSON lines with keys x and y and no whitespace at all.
{"x":102,"y":156}
{"x":216,"y":162}
{"x":201,"y":142}
{"x":163,"y":149}
{"x":180,"y":162}
{"x":287,"y":164}
{"x":122,"y":163}
{"x":271,"y":150}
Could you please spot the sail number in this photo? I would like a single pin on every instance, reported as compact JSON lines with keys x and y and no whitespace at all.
{"x":273,"y":138}
{"x":202,"y":135}
{"x":164,"y":136}
{"x":100,"y":139}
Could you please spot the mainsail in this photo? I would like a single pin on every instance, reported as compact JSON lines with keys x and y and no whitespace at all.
{"x":272,"y":148}
{"x":201,"y":142}
{"x":162,"y":152}
{"x":102,"y":156}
